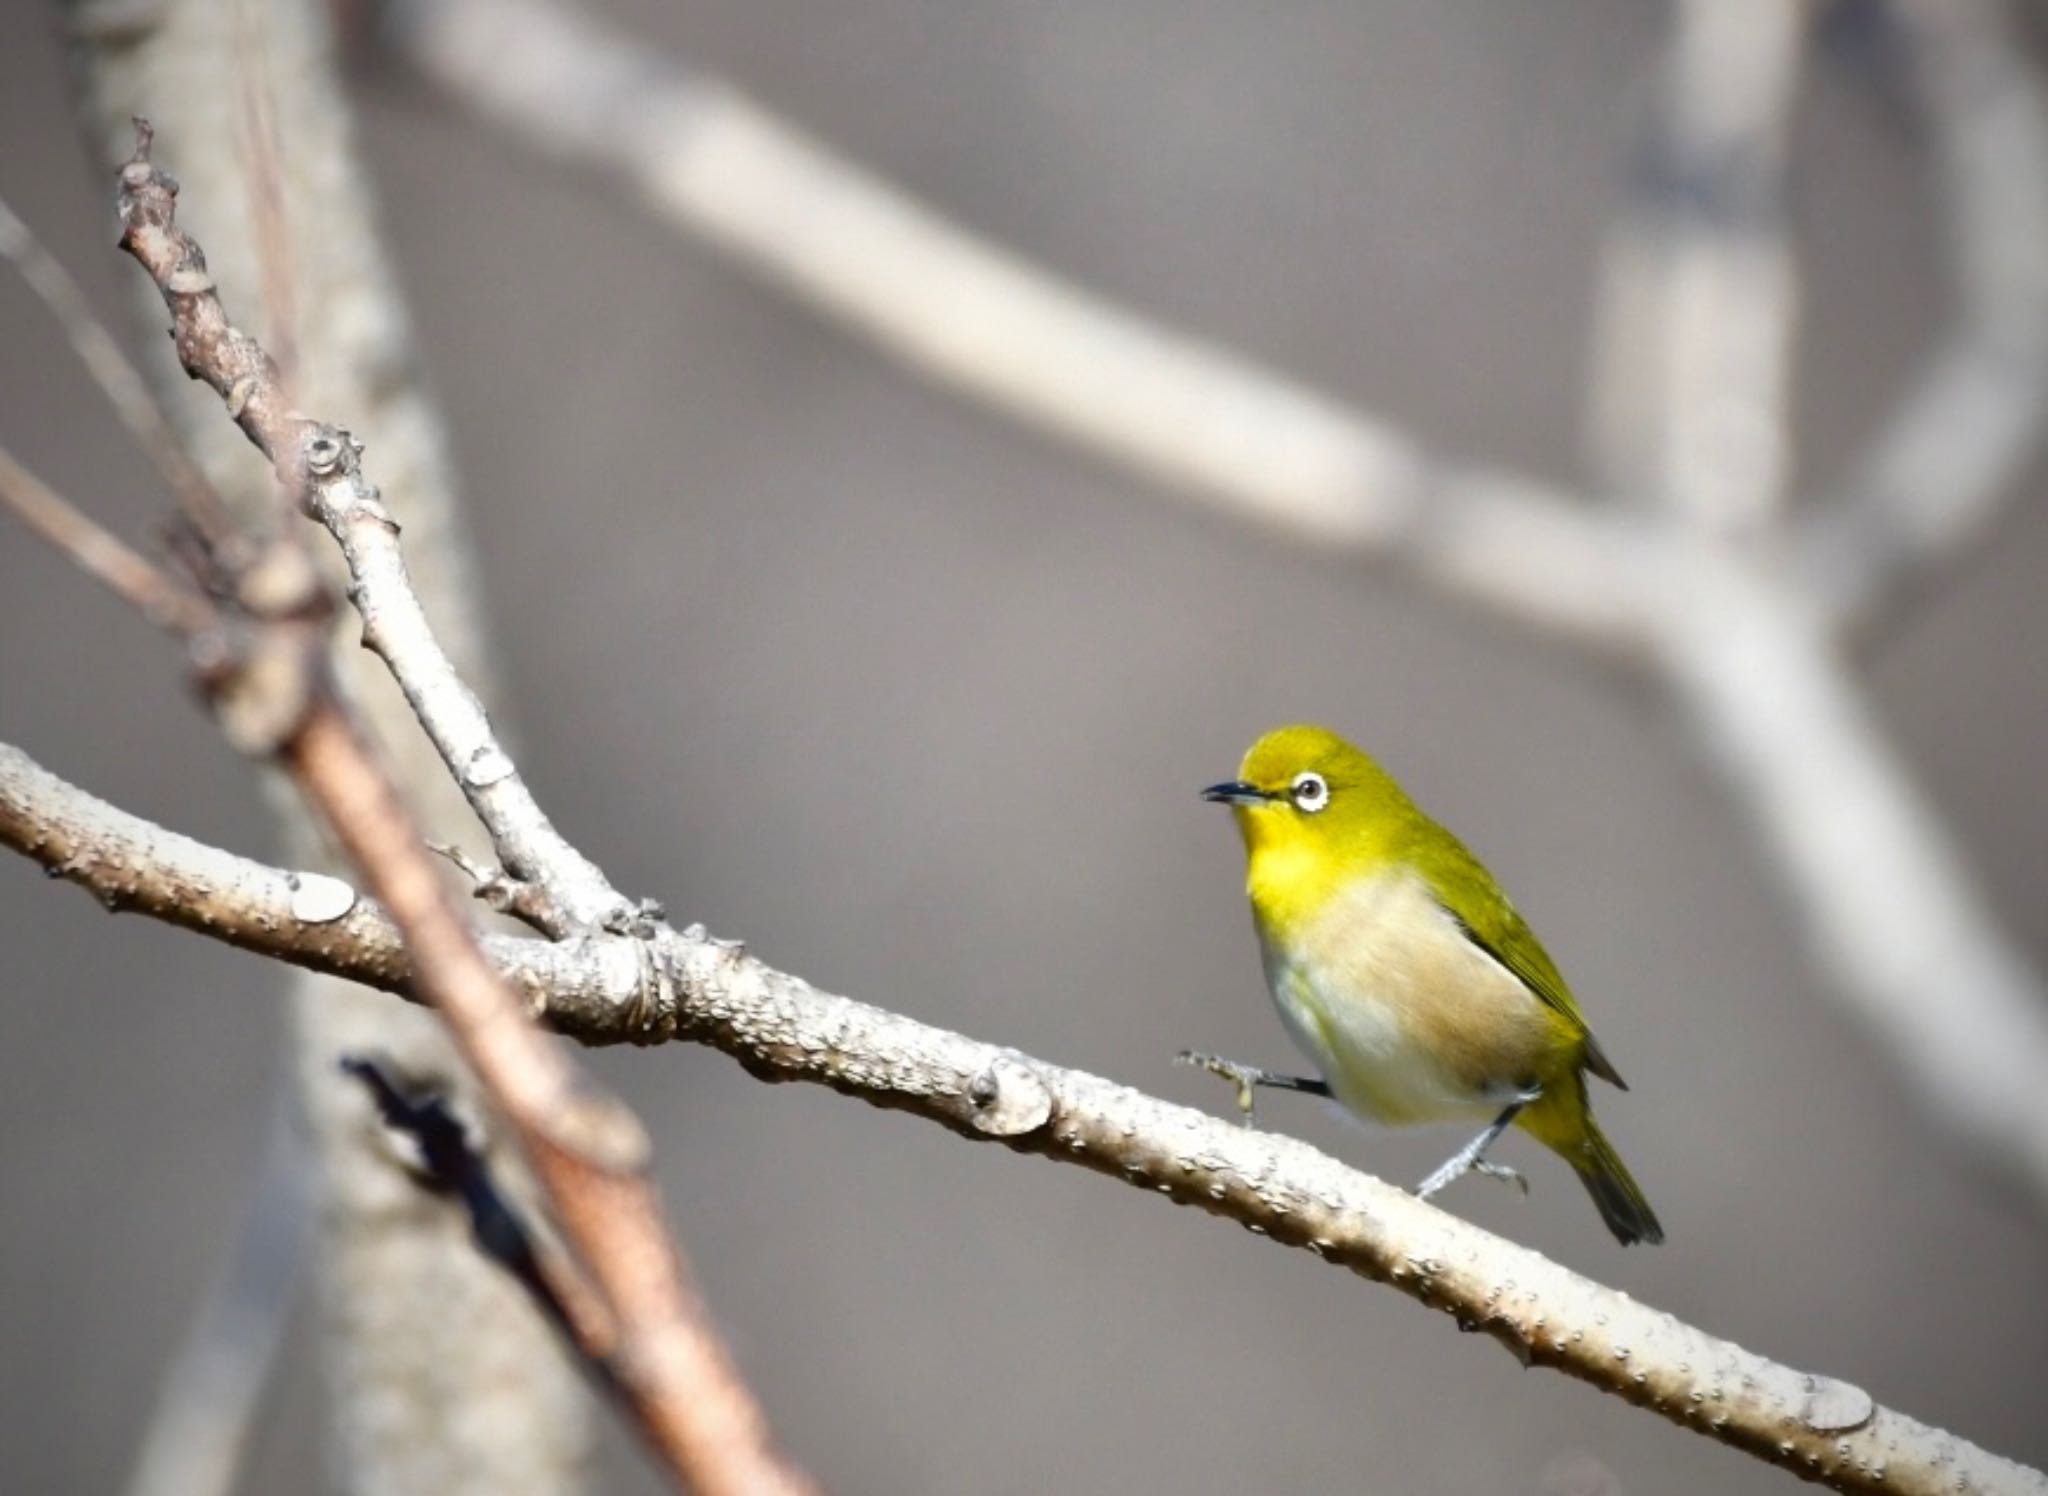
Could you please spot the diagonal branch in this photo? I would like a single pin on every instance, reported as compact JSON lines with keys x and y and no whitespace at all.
{"x":603,"y":988}
{"x":450,"y":1163}
{"x":1951,"y":457}
{"x":1207,"y":423}
{"x":319,"y":462}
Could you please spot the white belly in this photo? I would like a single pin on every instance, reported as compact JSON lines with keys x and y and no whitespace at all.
{"x":1393,"y":968}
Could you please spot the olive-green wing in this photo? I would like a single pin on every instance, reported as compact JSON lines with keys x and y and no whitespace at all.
{"x":1470,"y":895}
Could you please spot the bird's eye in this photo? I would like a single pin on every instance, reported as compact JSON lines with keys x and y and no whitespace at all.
{"x":1311,"y":792}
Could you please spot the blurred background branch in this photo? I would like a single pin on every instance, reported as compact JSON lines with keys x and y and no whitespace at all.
{"x":1735,"y":602}
{"x":197,"y":1438}
{"x":1952,"y":458}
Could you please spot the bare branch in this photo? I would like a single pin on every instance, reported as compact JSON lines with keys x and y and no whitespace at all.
{"x":314,"y":921}
{"x":319,"y":462}
{"x":487,"y":1400}
{"x":781,"y":1028}
{"x":1239,"y":438}
{"x":588,"y":1150}
{"x":1949,"y":460}
{"x":1885,"y":901}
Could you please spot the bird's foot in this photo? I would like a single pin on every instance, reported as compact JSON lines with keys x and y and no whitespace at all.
{"x":1501,"y":1172}
{"x":1246,"y":1078}
{"x":1470,"y":1159}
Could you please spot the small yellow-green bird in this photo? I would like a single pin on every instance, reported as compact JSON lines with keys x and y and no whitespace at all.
{"x":1402,"y":970}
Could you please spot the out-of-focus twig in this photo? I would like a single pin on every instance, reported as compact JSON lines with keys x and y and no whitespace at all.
{"x":198,"y":1434}
{"x":1246,"y":440}
{"x":124,"y":388}
{"x":601,"y":988}
{"x":263,"y":171}
{"x":1949,"y":460}
{"x":100,"y":553}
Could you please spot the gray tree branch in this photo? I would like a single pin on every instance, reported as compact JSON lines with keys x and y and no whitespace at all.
{"x":620,"y":988}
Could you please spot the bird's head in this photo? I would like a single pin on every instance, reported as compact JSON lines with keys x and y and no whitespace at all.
{"x":1302,"y":788}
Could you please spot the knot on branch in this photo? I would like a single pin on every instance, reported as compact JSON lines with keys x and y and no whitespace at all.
{"x":652,"y":1016}
{"x":1009,"y":1097}
{"x":1833,"y":1407}
{"x":329,"y":478}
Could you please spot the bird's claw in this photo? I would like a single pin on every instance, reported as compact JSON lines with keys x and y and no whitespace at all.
{"x":1503,"y":1173}
{"x":1244,"y":1077}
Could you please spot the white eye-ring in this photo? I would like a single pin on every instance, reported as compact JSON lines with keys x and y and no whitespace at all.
{"x":1311,"y":792}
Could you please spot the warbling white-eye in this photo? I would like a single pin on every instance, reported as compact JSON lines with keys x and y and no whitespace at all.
{"x":1402,"y":970}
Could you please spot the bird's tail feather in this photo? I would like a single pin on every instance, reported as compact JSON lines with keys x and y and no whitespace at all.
{"x":1615,"y":1192}
{"x":1563,"y":1122}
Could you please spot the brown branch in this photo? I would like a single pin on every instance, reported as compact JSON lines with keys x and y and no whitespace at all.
{"x":100,"y":553}
{"x":588,"y":1151}
{"x":610,"y":989}
{"x":487,"y":1392}
{"x":450,"y":1164}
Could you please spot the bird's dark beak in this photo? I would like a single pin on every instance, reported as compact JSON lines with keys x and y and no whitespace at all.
{"x":1236,"y":792}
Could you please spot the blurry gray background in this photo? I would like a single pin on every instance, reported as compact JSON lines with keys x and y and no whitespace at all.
{"x":930,"y":701}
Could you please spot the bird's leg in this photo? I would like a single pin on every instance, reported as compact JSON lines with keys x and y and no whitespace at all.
{"x":1472,"y":1159}
{"x":1247,"y":1078}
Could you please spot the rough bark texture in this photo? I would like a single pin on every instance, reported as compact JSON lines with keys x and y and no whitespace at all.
{"x":442,"y":1379}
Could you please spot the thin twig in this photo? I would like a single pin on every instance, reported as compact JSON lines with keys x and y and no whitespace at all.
{"x":769,"y":1019}
{"x":609,"y":989}
{"x":433,"y":1374}
{"x":263,"y":172}
{"x":101,"y":554}
{"x":319,"y":463}
{"x":117,"y":378}
{"x":198,"y":1434}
